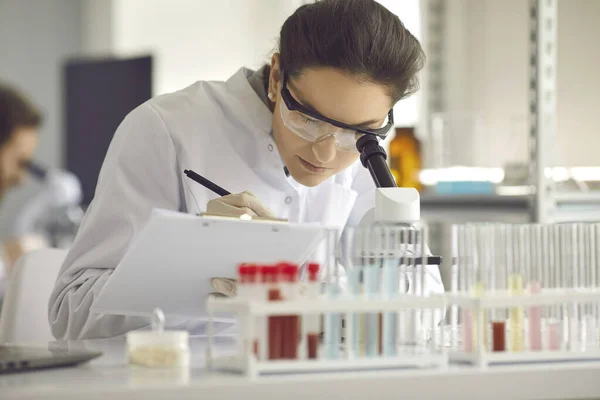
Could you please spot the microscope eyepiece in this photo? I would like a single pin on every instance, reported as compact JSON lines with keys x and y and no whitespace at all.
{"x":373,"y":157}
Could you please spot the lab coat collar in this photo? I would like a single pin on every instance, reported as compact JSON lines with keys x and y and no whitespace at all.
{"x":254,"y":142}
{"x":250,"y":107}
{"x":259,"y":148}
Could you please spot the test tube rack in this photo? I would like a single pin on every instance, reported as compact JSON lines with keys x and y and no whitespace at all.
{"x":422,"y":353}
{"x":558,"y":343}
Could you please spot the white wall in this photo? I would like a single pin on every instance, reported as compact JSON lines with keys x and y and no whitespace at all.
{"x":209,"y":40}
{"x":406,"y":111}
{"x":579,"y":81}
{"x":97,"y":36}
{"x":205,"y":40}
{"x":199,"y":39}
{"x":487,"y":75}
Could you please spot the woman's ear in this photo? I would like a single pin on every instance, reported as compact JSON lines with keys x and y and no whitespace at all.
{"x":274,"y":78}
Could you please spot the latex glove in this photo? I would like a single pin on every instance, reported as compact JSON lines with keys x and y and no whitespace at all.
{"x":235,"y":205}
{"x":224,"y":286}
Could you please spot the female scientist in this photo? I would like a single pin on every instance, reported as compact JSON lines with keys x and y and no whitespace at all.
{"x":283,"y":138}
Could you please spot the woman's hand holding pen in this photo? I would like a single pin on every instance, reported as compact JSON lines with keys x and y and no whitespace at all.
{"x":232,"y":205}
{"x":236,"y":205}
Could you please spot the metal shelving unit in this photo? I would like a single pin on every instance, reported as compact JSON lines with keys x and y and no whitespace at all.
{"x":543,"y":22}
{"x":546,"y":204}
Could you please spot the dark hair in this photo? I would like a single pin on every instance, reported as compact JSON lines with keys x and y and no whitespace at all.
{"x":358,"y":36}
{"x":15,"y":112}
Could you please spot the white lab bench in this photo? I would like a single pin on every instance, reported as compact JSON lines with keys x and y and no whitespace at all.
{"x":110,"y":378}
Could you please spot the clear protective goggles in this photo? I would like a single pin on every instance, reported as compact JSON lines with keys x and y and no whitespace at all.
{"x":314,"y":130}
{"x":313,"y":127}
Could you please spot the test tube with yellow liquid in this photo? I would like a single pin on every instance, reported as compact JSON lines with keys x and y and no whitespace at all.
{"x":516,"y":317}
{"x":515,"y":287}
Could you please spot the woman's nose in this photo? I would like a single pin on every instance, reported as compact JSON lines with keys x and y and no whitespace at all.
{"x":325,"y":149}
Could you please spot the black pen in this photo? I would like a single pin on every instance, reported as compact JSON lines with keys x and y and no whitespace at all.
{"x":206,"y":183}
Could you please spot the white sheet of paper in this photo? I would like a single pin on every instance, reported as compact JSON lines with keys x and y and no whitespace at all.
{"x":170,"y":263}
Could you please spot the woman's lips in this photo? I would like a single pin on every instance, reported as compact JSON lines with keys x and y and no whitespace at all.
{"x":311,"y":167}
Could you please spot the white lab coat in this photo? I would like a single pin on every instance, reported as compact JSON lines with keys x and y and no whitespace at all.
{"x":220,"y":130}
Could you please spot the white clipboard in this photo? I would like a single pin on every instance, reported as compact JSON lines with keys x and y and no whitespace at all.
{"x":170,"y":263}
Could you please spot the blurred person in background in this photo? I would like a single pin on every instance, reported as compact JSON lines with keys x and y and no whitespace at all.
{"x":19,"y":123}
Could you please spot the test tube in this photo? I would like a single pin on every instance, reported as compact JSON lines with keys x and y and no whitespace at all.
{"x":243,"y":293}
{"x":414,"y":325}
{"x":427,"y":317}
{"x":564,"y":281}
{"x":480,"y":249}
{"x":351,"y":243}
{"x":545,"y":257}
{"x":515,"y":288}
{"x":596,"y":274}
{"x":366,"y":261}
{"x":290,"y":323}
{"x":312,"y":321}
{"x":403,"y":285}
{"x":371,"y":275}
{"x":332,"y":320}
{"x":499,"y":283}
{"x":421,"y":250}
{"x":354,"y":289}
{"x":592,"y":260}
{"x":555,"y":324}
{"x":390,"y":281}
{"x":467,"y":313}
{"x":572,"y":273}
{"x":247,"y":290}
{"x":535,"y":286}
{"x":588,"y":321}
{"x":454,"y":288}
{"x":274,"y":322}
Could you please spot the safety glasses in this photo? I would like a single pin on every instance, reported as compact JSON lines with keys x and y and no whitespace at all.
{"x":314,"y":127}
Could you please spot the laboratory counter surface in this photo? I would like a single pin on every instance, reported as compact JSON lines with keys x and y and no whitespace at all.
{"x":110,"y":377}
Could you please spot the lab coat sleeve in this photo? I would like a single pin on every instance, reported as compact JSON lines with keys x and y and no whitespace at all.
{"x":139,"y":173}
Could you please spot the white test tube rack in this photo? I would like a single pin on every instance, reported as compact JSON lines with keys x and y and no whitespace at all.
{"x":427,"y":354}
{"x":482,"y":354}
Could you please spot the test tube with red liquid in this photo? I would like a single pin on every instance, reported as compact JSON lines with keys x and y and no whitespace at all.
{"x":500,"y":240}
{"x":289,"y":324}
{"x":313,"y":321}
{"x":274,"y":340}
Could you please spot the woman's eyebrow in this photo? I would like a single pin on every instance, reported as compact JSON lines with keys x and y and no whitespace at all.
{"x":309,"y":106}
